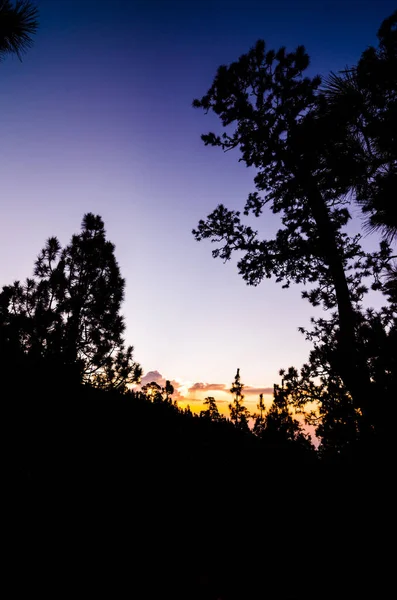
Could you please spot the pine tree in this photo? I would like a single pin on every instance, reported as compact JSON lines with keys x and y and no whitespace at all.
{"x":153,"y":391}
{"x":280,"y":424}
{"x":168,"y":390}
{"x":239,"y":414}
{"x":363,"y":99}
{"x":259,"y":423}
{"x":68,"y":314}
{"x":211,"y":412}
{"x":306,"y":166}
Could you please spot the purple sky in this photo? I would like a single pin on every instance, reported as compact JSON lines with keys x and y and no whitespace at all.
{"x":98,"y":118}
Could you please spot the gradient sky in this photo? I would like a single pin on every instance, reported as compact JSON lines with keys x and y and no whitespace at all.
{"x":98,"y":118}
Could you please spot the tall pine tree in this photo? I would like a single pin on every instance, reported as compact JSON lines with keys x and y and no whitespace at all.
{"x":239,"y":414}
{"x":68,"y":314}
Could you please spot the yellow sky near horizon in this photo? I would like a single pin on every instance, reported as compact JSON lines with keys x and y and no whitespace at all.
{"x":192,"y":394}
{"x":223,"y":398}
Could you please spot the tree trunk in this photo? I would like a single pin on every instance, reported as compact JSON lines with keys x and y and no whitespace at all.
{"x":354,"y":372}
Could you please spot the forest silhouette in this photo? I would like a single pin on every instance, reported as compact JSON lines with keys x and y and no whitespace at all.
{"x":118,"y":490}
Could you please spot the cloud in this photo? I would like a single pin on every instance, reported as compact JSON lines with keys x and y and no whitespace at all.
{"x":205,"y":387}
{"x":222,"y":387}
{"x":186,"y":392}
{"x":157,"y":377}
{"x":189,"y":400}
{"x":251,"y":391}
{"x":176,"y":385}
{"x":153,"y":376}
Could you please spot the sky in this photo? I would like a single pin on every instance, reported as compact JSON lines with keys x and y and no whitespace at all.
{"x":98,"y":118}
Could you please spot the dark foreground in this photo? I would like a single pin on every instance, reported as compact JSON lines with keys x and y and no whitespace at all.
{"x":113,"y":496}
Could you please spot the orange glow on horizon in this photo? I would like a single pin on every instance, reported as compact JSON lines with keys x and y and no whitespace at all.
{"x":223,"y":398}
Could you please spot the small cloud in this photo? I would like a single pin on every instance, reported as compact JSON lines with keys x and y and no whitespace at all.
{"x":251,"y":391}
{"x":157,"y":377}
{"x":206,"y":387}
{"x":188,"y":400}
{"x":152,"y":376}
{"x":177,"y":386}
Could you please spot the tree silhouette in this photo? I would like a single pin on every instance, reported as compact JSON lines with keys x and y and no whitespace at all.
{"x":154,"y":392}
{"x":187,"y":411}
{"x":239,"y":414}
{"x":285,"y":128}
{"x":18,"y":22}
{"x":277,"y":426}
{"x":318,"y":389}
{"x":259,"y":423}
{"x":280,"y":423}
{"x":363,"y":99}
{"x":168,"y":390}
{"x":69,"y":312}
{"x":211,"y":412}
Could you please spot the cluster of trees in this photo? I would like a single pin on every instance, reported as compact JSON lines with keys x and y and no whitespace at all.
{"x":64,"y":323}
{"x":318,"y":147}
{"x":157,"y":393}
{"x":63,"y":327}
{"x":277,"y":426}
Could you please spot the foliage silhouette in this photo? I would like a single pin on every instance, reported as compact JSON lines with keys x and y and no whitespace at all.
{"x":280,"y":423}
{"x":364,"y":100}
{"x":168,"y":391}
{"x":152,"y":391}
{"x":18,"y":23}
{"x":287,"y":128}
{"x":239,"y":414}
{"x":259,"y":419}
{"x":278,"y":427}
{"x":68,"y":314}
{"x":211,"y":412}
{"x":155,"y":393}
